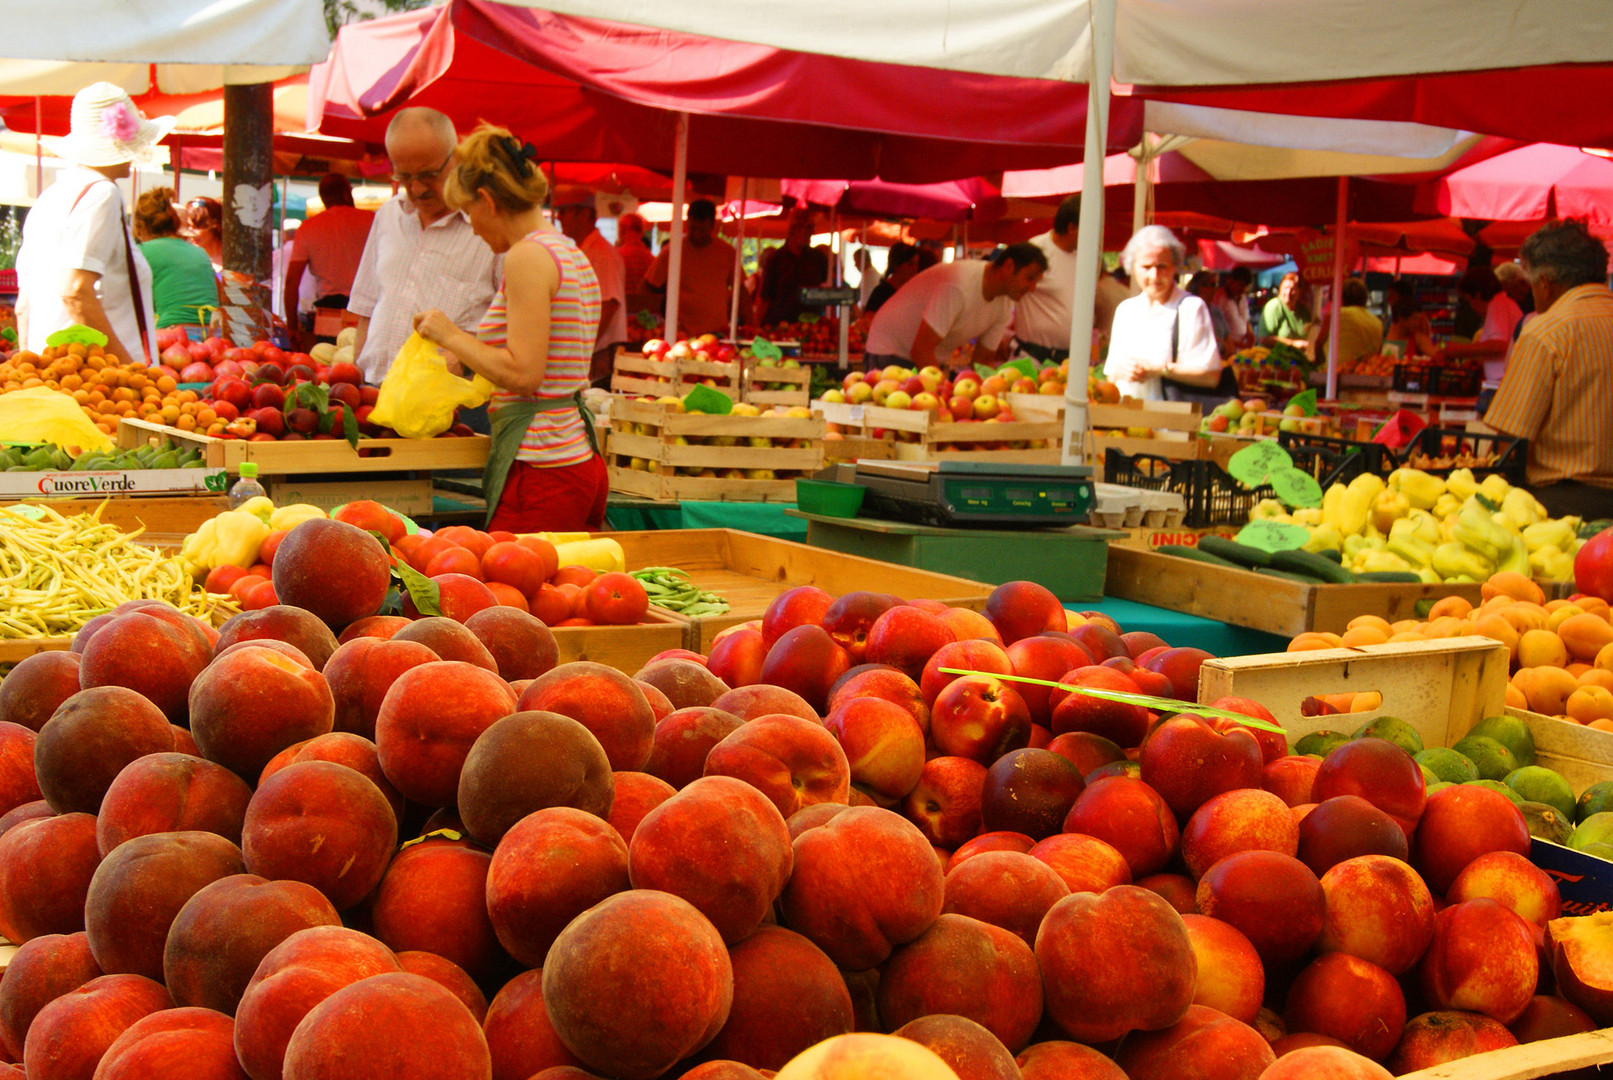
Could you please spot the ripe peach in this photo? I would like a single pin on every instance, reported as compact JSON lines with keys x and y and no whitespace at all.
{"x":1029,"y":791}
{"x":429,"y":719}
{"x":1461,"y":823}
{"x":248,"y":706}
{"x":1344,"y":827}
{"x":979,"y":717}
{"x":969,"y":625}
{"x":635,"y":796}
{"x":787,"y":996}
{"x":155,"y":652}
{"x":603,"y":700}
{"x":966,"y":1047}
{"x":550,"y":867}
{"x":794,"y":762}
{"x":292,"y":625}
{"x":361,"y":671}
{"x":530,"y":761}
{"x":1004,"y":888}
{"x":1086,"y":750}
{"x":343,"y":748}
{"x":1512,"y":881}
{"x":969,"y":655}
{"x":171,"y":793}
{"x":1243,"y":819}
{"x":1204,"y":1042}
{"x":804,"y":605}
{"x":887,"y":684}
{"x":594,"y":980}
{"x":1116,"y":721}
{"x":685,"y":684}
{"x":986,"y":842}
{"x":450,"y":640}
{"x":1482,"y":959}
{"x":1021,"y":609}
{"x":40,"y":971}
{"x":324,"y":824}
{"x":1043,"y":657}
{"x":434,"y":899}
{"x":36,"y":686}
{"x":683,"y":739}
{"x":884,"y":745}
{"x":71,"y":1035}
{"x":450,"y":976}
{"x":863,"y":882}
{"x":1131,"y":817}
{"x":945,"y":804}
{"x":1550,"y":1018}
{"x":749,"y":702}
{"x":1377,"y":909}
{"x":1274,"y":899}
{"x":1349,"y":999}
{"x":806,"y":661}
{"x":848,"y":620}
{"x":965,"y":967}
{"x":861,"y":1055}
{"x":1181,"y":667}
{"x":337,"y":571}
{"x":906,"y":637}
{"x":1059,"y":1060}
{"x":737,"y":658}
{"x":1084,"y":863}
{"x":366,"y":1021}
{"x":520,"y":1038}
{"x":46,"y":865}
{"x":1435,"y":1038}
{"x":1231,"y":978}
{"x":1179,"y":890}
{"x":521,"y":646}
{"x":1115,"y":962}
{"x":1324,"y":1063}
{"x":1291,"y":778}
{"x":81,"y":749}
{"x":1378,"y":771}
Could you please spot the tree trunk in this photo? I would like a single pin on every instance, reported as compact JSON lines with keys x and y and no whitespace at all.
{"x":248,"y":194}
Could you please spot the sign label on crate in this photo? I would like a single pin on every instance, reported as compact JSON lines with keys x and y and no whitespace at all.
{"x":1274,"y":535}
{"x":1295,"y":487}
{"x":1251,"y":465}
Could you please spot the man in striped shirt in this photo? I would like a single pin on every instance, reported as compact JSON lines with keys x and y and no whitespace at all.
{"x":420,"y":255}
{"x":1558,"y":389}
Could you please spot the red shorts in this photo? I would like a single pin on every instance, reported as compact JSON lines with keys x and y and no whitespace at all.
{"x":568,"y":498}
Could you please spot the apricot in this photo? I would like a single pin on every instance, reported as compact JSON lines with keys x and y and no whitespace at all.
{"x":1515,"y":585}
{"x":1458,"y":606}
{"x":1589,"y":703}
{"x":1585,"y":636}
{"x":1596,"y":677}
{"x":1363,"y":635}
{"x":1514,"y":698}
{"x":1541,"y":648}
{"x":1377,"y":622}
{"x":1546,"y":689}
{"x":1496,"y":628}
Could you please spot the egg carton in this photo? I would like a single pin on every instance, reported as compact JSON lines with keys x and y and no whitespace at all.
{"x":1116,"y":506}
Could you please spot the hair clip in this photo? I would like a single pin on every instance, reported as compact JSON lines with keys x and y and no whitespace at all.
{"x":520,"y":154}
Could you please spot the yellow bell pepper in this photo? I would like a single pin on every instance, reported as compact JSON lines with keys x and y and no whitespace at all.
{"x":1384,"y":562}
{"x":289,"y":517}
{"x":1268,"y":510}
{"x":1419,"y":488}
{"x":1388,"y":508}
{"x":1429,"y":575}
{"x":1455,"y":560}
{"x":1521,"y":509}
{"x":1515,"y":559}
{"x":239,"y":534}
{"x":259,"y":506}
{"x":1309,"y":516}
{"x":1332,"y":500}
{"x":1447,"y":505}
{"x":1476,"y":529}
{"x":1417,"y":552}
{"x":1354,"y":510}
{"x":1460,"y":483}
{"x":1426,"y":526}
{"x":1551,"y":563}
{"x":198,"y":548}
{"x":1495,"y":488}
{"x":1371,"y":483}
{"x":1324,"y":537}
{"x":1556,"y":534}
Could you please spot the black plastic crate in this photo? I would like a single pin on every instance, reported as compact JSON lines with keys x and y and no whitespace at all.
{"x":1439,"y":380}
{"x":1344,"y":459}
{"x":1509,"y":453}
{"x":1209,"y":495}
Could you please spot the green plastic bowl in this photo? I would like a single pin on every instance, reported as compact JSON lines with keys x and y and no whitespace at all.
{"x":829,"y":498}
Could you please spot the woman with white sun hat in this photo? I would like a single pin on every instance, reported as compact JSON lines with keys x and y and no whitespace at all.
{"x":78,"y":263}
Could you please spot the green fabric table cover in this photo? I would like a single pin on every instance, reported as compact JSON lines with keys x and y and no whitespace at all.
{"x":767,"y":519}
{"x":1180,"y":629}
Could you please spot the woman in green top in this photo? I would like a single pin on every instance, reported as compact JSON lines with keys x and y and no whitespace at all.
{"x":1285,"y":317}
{"x":182,"y":278}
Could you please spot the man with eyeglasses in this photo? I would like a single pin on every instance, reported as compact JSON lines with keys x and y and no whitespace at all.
{"x":420,"y":255}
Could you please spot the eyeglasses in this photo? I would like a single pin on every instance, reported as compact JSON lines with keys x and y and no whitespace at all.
{"x":410,"y":179}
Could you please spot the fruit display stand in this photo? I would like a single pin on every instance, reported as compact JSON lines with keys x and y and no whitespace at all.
{"x":1171,"y":426}
{"x":922,"y":436}
{"x":1259,"y":601}
{"x":635,"y":373}
{"x":675,"y":447}
{"x":750,"y":571}
{"x":770,"y":384}
{"x":626,"y":648}
{"x":326,"y":472}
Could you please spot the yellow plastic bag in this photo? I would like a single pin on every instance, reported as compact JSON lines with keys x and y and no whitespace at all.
{"x":42,"y":415}
{"x":419,"y":395}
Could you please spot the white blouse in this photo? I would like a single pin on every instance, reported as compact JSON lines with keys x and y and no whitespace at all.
{"x":1142,"y":332}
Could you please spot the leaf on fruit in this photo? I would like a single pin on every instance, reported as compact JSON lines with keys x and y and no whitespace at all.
{"x":422,"y":590}
{"x":1146,"y":701}
{"x":350,"y":426}
{"x":445,"y":834}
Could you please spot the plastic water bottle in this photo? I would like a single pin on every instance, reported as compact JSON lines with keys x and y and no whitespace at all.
{"x":247,"y":487}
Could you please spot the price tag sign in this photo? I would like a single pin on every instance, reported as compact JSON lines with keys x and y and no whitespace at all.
{"x":703,"y":399}
{"x":77,"y":335}
{"x":1251,"y":465}
{"x":1274,"y":535}
{"x":1295,"y":487}
{"x":1306,"y":401}
{"x":763,"y":349}
{"x":856,"y":414}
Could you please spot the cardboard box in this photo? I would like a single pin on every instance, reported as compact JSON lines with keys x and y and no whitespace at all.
{"x":87,"y":485}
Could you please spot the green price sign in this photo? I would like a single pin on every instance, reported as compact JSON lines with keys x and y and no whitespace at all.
{"x":763,"y":349}
{"x":1273,"y":535}
{"x":1295,"y":487}
{"x":1251,"y":465}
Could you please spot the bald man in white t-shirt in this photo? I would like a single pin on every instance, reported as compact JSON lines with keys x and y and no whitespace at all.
{"x":951,"y":304}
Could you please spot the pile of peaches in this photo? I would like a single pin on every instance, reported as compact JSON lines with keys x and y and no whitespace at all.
{"x":319,"y":842}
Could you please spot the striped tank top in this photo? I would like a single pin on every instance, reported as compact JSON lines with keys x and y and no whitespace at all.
{"x":555,"y":438}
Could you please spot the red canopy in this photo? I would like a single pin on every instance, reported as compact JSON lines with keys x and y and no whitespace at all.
{"x":971,"y":199}
{"x":591,"y":90}
{"x":1531,"y":183}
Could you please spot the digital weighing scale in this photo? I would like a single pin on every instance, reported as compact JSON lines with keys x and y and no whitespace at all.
{"x":971,"y":493}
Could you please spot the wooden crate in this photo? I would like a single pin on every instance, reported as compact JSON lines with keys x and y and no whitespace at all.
{"x":410,"y":496}
{"x":857,"y":448}
{"x":322,"y":455}
{"x":923,"y":436}
{"x":1259,"y":601}
{"x":634,"y":373}
{"x":1548,"y":1057}
{"x":749,"y":571}
{"x":788,"y":387}
{"x":1175,"y":426}
{"x":678,"y":446}
{"x":13,"y":650}
{"x":626,"y":648}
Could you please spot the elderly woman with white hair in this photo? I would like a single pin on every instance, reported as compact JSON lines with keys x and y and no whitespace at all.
{"x":1163,"y":343}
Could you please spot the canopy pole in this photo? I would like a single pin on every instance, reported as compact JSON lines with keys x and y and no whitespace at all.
{"x":1338,"y":289}
{"x":837,"y":244}
{"x":1089,"y":238}
{"x":674,"y":261}
{"x":739,"y":263}
{"x":1141,"y":182}
{"x":39,"y":146}
{"x":176,"y":161}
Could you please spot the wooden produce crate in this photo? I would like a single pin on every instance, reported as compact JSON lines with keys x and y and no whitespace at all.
{"x":634,"y":373}
{"x":1547,"y":1058}
{"x":837,"y":447}
{"x":923,"y":436}
{"x":410,"y":496}
{"x":626,"y":648}
{"x":1174,"y":424}
{"x":322,"y":455}
{"x":677,"y":447}
{"x":774,"y":385}
{"x":749,"y":571}
{"x":13,"y":650}
{"x":1259,"y":601}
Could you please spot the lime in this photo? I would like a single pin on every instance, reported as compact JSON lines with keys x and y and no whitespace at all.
{"x":1429,"y":776}
{"x":1596,"y":829}
{"x":1320,"y":743}
{"x":1393,"y":729}
{"x":1596,"y":799}
{"x":1539,"y":784}
{"x":1448,"y":765}
{"x":1546,"y":822}
{"x":1496,"y":785}
{"x":1492,"y":759}
{"x":1435,"y":787}
{"x":1510,"y":732}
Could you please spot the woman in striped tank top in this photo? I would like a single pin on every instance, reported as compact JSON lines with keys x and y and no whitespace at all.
{"x":535,"y":343}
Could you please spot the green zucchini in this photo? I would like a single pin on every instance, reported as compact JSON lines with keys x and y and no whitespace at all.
{"x":1303,"y":579}
{"x":1232,"y":551}
{"x":1390,"y":576}
{"x":1332,"y":555}
{"x":1312,"y":564}
{"x":1195,"y":554}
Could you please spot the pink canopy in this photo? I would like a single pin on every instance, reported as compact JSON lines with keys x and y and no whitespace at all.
{"x":591,"y":90}
{"x":1528,"y":184}
{"x":971,"y":199}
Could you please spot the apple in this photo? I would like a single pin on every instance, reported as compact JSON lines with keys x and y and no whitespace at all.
{"x":967,"y":386}
{"x":913,"y":385}
{"x":894,"y":373}
{"x":932,"y":377}
{"x":884,"y":388}
{"x":926,"y":401}
{"x":836,"y":397}
{"x":900,"y":399}
{"x":860,"y":393}
{"x":986,"y":407}
{"x":961,"y":408}
{"x":853,"y":378}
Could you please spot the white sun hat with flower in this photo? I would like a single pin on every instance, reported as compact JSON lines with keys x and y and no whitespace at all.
{"x":107,"y":129}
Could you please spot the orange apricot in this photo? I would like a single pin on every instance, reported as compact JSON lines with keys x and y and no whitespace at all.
{"x":1585,"y":635}
{"x":1590,"y":703}
{"x":1546,"y":688}
{"x":1449,"y":605}
{"x":1514,"y":585}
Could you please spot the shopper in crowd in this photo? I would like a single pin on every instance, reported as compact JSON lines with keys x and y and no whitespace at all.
{"x":533,"y":343}
{"x":705,"y":290}
{"x":184,"y":289}
{"x":331,"y":244}
{"x":1232,"y":301}
{"x":1360,"y":331}
{"x":1286,"y":318}
{"x":1558,"y":388}
{"x":1515,"y":283}
{"x":1163,"y":341}
{"x":204,"y":227}
{"x":868,"y":275}
{"x":1042,"y":316}
{"x":78,"y":263}
{"x":1481,"y":292}
{"x":577,"y":215}
{"x":421,"y":253}
{"x":951,"y":304}
{"x":1409,"y":325}
{"x":635,"y":251}
{"x":788,"y":269}
{"x":1203,"y":286}
{"x":901,"y":266}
